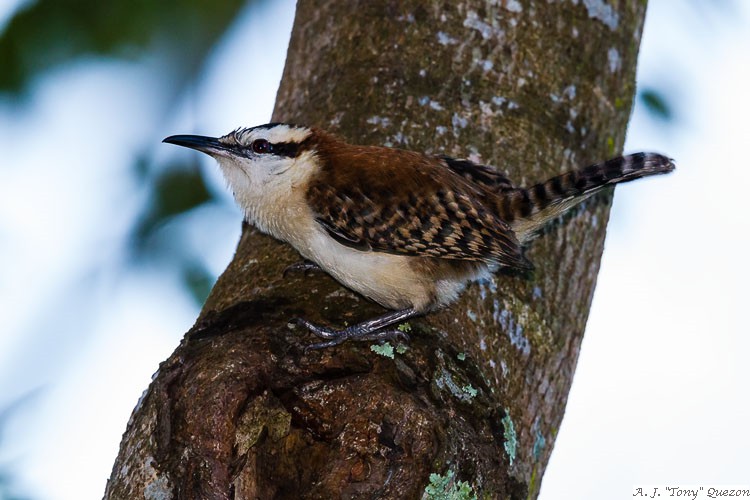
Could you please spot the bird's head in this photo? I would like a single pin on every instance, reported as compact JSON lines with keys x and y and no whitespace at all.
{"x":255,"y":160}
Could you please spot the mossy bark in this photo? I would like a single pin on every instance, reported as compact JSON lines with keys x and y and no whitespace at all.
{"x":240,"y":411}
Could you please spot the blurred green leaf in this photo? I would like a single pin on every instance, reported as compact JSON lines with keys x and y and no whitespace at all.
{"x":198,"y":281}
{"x":657,"y":104}
{"x":47,"y":33}
{"x":177,"y":191}
{"x":173,"y":191}
{"x":161,"y":235}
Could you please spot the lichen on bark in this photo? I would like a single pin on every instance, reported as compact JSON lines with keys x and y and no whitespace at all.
{"x":239,"y":410}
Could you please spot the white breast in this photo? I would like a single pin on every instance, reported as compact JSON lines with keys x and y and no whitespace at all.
{"x":385,"y":278}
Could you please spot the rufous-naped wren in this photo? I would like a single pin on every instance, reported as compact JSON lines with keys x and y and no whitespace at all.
{"x":405,"y":229}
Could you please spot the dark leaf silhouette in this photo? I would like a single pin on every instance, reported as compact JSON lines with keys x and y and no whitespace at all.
{"x":657,"y":104}
{"x":174,"y":191}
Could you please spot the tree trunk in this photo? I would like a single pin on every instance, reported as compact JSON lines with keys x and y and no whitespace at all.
{"x":474,"y":402}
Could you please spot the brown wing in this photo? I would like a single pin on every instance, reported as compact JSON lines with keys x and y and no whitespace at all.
{"x":396,"y":201}
{"x":482,"y":175}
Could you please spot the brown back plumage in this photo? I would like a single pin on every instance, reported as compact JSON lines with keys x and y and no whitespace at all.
{"x":397,"y":201}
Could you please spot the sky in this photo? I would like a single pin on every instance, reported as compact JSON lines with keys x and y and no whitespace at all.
{"x":660,"y":392}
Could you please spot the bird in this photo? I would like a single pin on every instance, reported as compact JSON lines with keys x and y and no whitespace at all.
{"x":405,"y":229}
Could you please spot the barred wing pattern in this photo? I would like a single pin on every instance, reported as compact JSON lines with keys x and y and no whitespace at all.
{"x":441,"y":222}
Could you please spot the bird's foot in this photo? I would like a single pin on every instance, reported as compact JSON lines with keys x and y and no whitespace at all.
{"x":374,"y":329}
{"x":357,"y":333}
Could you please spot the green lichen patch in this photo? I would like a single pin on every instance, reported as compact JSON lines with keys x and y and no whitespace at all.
{"x":444,"y":380}
{"x":509,"y":433}
{"x":532,"y":484}
{"x":404,"y":327}
{"x":469,"y":389}
{"x":539,"y":444}
{"x":611,"y":146}
{"x":385,"y":349}
{"x":449,"y":377}
{"x":445,"y":487}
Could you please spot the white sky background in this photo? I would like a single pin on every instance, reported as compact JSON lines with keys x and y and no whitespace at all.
{"x":660,"y":395}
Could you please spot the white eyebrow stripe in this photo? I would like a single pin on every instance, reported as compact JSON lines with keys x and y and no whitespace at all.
{"x":280,"y":133}
{"x":285,"y":133}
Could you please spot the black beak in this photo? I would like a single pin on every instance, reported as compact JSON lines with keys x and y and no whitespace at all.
{"x":201,"y":143}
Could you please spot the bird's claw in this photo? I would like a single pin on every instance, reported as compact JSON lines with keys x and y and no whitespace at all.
{"x":355,"y":333}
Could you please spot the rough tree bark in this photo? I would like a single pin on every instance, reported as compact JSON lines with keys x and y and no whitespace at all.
{"x":239,"y":411}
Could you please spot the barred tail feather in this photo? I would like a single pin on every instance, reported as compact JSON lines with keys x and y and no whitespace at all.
{"x":527,"y":210}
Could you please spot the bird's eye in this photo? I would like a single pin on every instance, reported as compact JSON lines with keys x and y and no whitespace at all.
{"x":261,"y":146}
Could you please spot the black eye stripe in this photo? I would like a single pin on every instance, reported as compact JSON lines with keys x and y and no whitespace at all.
{"x":287,"y":149}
